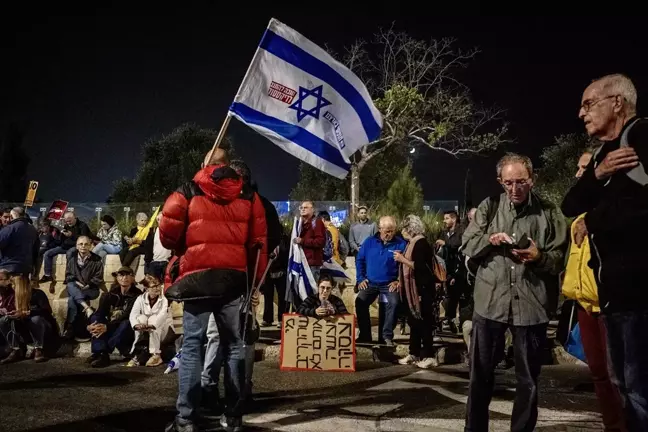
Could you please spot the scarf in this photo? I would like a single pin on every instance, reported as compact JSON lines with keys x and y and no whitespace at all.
{"x":408,"y":282}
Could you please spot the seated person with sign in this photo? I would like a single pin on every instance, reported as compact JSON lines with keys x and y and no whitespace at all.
{"x":323,"y":303}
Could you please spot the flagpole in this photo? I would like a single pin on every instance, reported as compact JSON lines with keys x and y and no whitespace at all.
{"x":228,"y":118}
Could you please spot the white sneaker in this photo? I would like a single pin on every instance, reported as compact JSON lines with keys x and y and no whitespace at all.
{"x":409,"y":359}
{"x":428,"y":362}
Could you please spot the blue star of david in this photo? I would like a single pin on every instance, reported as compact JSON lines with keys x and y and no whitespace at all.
{"x":314,"y":112}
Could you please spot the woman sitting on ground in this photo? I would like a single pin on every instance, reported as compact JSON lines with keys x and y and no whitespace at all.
{"x":110,"y":238}
{"x":151,"y":315}
{"x":418,"y":292}
{"x":323,"y":303}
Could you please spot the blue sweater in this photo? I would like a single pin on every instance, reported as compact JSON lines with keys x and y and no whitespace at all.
{"x":18,"y":246}
{"x":375,"y":260}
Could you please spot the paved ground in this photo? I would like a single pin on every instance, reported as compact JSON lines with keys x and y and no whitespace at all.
{"x":65,"y":395}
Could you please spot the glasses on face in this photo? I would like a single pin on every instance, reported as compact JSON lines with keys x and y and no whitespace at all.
{"x":305,"y":207}
{"x":514,"y":184}
{"x":83,"y":245}
{"x":588,"y":104}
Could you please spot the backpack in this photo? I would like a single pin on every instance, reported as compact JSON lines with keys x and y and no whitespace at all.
{"x":472,"y":264}
{"x":328,"y":246}
{"x":343,"y":247}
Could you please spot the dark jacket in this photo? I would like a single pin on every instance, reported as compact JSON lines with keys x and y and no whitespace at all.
{"x":50,"y":240}
{"x":617,"y":212}
{"x":90,"y":274}
{"x":453,"y":257}
{"x":215,"y":230}
{"x":312,"y":302}
{"x":275,"y":228}
{"x":280,"y":264}
{"x":313,"y":235}
{"x":18,"y":246}
{"x":79,"y":229}
{"x":40,"y":306}
{"x":115,"y":307}
{"x":423,"y":257}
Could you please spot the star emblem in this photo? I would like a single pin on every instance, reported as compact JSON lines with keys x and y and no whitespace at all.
{"x":307,"y":95}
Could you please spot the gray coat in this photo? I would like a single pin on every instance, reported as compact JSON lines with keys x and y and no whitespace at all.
{"x":507,"y":290}
{"x":360,"y":232}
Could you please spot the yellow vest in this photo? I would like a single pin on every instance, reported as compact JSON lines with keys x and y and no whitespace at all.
{"x":579,"y":283}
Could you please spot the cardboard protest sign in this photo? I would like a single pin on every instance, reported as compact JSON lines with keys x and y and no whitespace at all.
{"x":31,"y":193}
{"x":57,"y":209}
{"x":310,"y":344}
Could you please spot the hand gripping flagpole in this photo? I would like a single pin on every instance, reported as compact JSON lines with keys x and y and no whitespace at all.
{"x":253,"y":288}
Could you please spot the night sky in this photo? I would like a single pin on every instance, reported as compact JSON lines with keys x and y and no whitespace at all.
{"x":91,"y":90}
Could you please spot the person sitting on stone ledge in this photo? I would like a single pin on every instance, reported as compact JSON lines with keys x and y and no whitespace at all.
{"x":35,"y":327}
{"x":83,"y":276}
{"x":133,"y":244}
{"x":110,"y":326}
{"x":323,"y":304}
{"x":110,"y":238}
{"x":151,"y":317}
{"x":72,"y":230}
{"x":49,"y":237}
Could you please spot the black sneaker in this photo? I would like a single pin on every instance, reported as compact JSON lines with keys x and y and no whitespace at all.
{"x":92,"y":358}
{"x":45,"y":279}
{"x":101,"y":362}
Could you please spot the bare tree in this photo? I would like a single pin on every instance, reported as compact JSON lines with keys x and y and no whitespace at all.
{"x":423,"y":104}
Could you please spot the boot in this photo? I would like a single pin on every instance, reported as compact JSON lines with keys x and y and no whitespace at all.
{"x":39,"y":356}
{"x":14,"y":356}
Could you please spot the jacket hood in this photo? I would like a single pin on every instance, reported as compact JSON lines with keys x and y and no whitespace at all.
{"x":219,"y":182}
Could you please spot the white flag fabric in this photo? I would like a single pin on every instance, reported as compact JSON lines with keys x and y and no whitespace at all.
{"x":334,"y":270}
{"x":306,"y":102}
{"x":300,"y":279}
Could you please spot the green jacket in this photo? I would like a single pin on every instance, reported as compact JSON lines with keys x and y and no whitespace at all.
{"x":506,"y":290}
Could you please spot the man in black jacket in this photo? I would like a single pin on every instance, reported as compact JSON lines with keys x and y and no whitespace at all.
{"x":457,"y":296}
{"x":110,"y":326}
{"x":83,"y":276}
{"x":613,"y":191}
{"x":72,"y":230}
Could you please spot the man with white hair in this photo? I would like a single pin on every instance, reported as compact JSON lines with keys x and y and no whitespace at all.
{"x":72,"y":230}
{"x":613,"y":192}
{"x":377,"y":275}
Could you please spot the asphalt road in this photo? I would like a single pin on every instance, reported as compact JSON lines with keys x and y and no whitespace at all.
{"x":66,"y":395}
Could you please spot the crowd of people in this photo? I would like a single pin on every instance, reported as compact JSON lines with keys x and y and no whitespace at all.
{"x":217,"y":241}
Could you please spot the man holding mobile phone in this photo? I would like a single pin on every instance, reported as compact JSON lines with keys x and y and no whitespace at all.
{"x":518,"y":240}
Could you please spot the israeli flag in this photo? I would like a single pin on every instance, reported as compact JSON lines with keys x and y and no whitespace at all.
{"x":334,"y":270}
{"x":300,"y":279}
{"x":302,"y":99}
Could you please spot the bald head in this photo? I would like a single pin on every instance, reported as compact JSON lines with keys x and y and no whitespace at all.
{"x":387,"y":228}
{"x":607,"y":104}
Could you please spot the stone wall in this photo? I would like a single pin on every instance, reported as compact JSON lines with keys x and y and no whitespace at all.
{"x":59,"y":298}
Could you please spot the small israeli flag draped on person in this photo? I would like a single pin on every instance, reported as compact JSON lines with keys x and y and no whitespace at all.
{"x":302,"y":99}
{"x":334,"y":270}
{"x":300,"y":279}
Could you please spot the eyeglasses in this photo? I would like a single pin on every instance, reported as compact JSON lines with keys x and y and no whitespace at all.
{"x":512,"y":184}
{"x":589,"y":104}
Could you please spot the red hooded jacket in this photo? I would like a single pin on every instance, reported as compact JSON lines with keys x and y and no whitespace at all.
{"x":313,"y":235}
{"x":216,"y":234}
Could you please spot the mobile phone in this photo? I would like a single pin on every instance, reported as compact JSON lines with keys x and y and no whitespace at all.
{"x":523,"y":242}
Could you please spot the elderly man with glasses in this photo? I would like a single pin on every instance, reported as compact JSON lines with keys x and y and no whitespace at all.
{"x":518,"y":241}
{"x":613,"y":192}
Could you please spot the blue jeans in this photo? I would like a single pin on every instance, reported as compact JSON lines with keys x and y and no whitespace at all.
{"x":75,"y":296}
{"x":103,"y":249}
{"x":119,"y":335}
{"x":627,"y":350}
{"x":362,"y":303}
{"x":195,"y":322}
{"x":214,"y":360}
{"x":48,"y":258}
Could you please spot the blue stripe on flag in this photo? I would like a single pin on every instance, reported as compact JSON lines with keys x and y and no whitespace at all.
{"x":291,"y":53}
{"x":291,"y":132}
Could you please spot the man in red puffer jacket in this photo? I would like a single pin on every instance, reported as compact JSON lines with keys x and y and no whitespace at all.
{"x":216,"y":226}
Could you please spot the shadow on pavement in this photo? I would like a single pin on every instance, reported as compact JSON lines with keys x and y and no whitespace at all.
{"x":97,"y":379}
{"x":152,"y":419}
